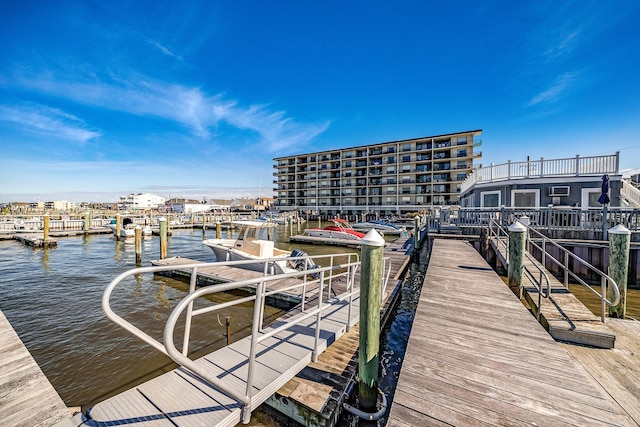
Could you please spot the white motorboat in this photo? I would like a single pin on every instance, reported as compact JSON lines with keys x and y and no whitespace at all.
{"x":379,"y":225}
{"x":248,"y":246}
{"x":340,"y":229}
{"x":128,"y":228}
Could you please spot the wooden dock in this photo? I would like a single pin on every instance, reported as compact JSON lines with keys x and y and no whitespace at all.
{"x":35,"y":240}
{"x":476,"y":356}
{"x":27,"y":398}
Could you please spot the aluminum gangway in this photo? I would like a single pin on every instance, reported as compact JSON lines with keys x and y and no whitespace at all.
{"x":223,"y":387}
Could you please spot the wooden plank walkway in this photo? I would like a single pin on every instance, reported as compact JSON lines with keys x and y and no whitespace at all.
{"x":27,"y":398}
{"x":477,"y":357}
{"x":616,"y":370}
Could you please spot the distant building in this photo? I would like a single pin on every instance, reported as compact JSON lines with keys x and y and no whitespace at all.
{"x":569,"y":182}
{"x":140,"y":201}
{"x":59,"y":205}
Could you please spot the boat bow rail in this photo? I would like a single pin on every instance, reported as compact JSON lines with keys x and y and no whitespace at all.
{"x":318,"y":280}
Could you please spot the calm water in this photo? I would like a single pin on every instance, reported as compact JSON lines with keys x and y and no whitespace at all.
{"x":52,"y":298}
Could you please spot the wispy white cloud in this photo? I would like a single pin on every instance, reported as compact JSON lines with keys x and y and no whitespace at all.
{"x":553,"y":94}
{"x":562,"y":44}
{"x":188,"y":106}
{"x":165,"y":50}
{"x":47,"y":121}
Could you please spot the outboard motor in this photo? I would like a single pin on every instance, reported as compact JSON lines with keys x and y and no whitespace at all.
{"x":299,"y":264}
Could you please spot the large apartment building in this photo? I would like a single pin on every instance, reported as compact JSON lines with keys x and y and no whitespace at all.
{"x":389,"y":178}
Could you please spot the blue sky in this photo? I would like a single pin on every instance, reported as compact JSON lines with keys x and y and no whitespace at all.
{"x":99,"y":99}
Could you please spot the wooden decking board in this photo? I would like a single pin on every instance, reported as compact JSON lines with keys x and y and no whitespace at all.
{"x":495,"y":383}
{"x":474,"y":335}
{"x":615,"y":370}
{"x":27,"y":398}
{"x":531,"y":380}
{"x":531,"y":370}
{"x":465,"y":366}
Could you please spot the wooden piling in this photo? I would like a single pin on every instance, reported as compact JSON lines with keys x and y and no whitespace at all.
{"x":370,"y":295}
{"x":416,"y":232}
{"x":619,"y":248}
{"x":163,"y":237}
{"x":228,"y":322}
{"x":218,"y":230}
{"x":118,"y":226}
{"x":45,"y":228}
{"x":138,"y":241}
{"x":87,"y":222}
{"x":517,"y":240}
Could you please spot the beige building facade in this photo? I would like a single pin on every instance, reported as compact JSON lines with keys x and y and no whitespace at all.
{"x":390,"y":178}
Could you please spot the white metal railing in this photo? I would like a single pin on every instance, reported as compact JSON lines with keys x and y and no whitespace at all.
{"x":573,"y":166}
{"x":550,"y":218}
{"x":320,"y":277}
{"x":540,"y":242}
{"x":630,"y":193}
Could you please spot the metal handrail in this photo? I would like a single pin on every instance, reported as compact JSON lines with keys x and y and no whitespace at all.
{"x":320,"y":275}
{"x":542,"y":275}
{"x":605,"y":280}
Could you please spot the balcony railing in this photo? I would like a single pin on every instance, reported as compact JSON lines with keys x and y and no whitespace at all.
{"x":574,"y":166}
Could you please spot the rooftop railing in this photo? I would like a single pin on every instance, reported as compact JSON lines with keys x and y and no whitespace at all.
{"x":574,"y":166}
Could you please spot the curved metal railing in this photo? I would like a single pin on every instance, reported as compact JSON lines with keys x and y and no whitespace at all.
{"x":310,"y":277}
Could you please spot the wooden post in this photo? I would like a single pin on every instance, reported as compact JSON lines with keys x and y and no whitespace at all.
{"x":87,"y":222}
{"x":416,"y":232}
{"x":138,"y":241}
{"x":118,"y":226}
{"x":517,"y":240}
{"x":228,"y":330}
{"x":619,"y":247}
{"x":319,"y":222}
{"x":163,"y":237}
{"x":370,"y":295}
{"x":45,"y":228}
{"x":218,"y":230}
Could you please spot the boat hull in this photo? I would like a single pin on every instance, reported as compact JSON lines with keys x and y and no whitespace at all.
{"x":224,"y":251}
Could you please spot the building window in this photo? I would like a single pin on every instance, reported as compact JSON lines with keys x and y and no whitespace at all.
{"x":525,"y":198}
{"x":406,"y":147}
{"x":462,"y":140}
{"x":590,"y":198}
{"x":490,"y":199}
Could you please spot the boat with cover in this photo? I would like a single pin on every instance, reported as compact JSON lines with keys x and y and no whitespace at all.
{"x":380,"y":225}
{"x":248,"y":246}
{"x":340,"y":229}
